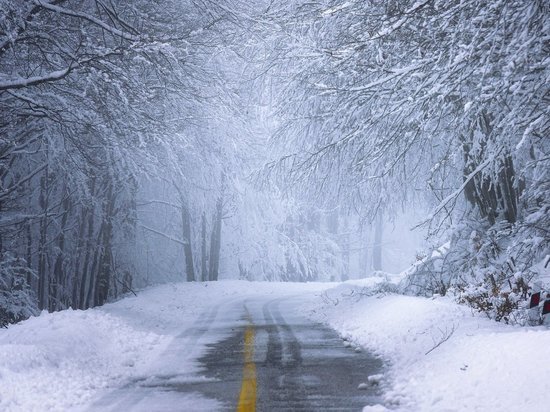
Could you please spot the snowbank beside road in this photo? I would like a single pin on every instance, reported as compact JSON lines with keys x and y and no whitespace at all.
{"x":57,"y":361}
{"x":441,"y":356}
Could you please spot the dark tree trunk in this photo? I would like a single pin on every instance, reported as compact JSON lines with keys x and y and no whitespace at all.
{"x":187,"y":248}
{"x":77,"y":277}
{"x":204,"y":250}
{"x":58,"y":270}
{"x":92,"y":278}
{"x":377,"y":246}
{"x":508,"y":192}
{"x":127,"y":282}
{"x":88,"y":249}
{"x":215,"y":241}
{"x":492,"y":195}
{"x":103,"y":281}
{"x":344,"y":245}
{"x":43,"y":278}
{"x":29,"y":252}
{"x":1,"y":237}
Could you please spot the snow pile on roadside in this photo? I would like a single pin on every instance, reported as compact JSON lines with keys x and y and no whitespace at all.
{"x":55,"y":361}
{"x":441,"y":356}
{"x":58,"y":361}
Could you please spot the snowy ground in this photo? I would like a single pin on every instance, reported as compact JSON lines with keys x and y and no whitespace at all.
{"x":68,"y":360}
{"x":482,"y":366}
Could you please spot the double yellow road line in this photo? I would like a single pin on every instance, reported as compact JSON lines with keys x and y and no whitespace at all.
{"x":247,"y":397}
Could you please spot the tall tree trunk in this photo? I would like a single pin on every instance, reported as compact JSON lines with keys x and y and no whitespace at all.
{"x":187,"y":248}
{"x":58,"y":283}
{"x":377,"y":246}
{"x":28,"y":230}
{"x":77,"y":275}
{"x":345,"y":248}
{"x":508,"y":191}
{"x":43,"y":278}
{"x":492,"y":195}
{"x":215,"y":241}
{"x":92,"y":278}
{"x":365,"y":256}
{"x":204,"y":250}
{"x":1,"y":237}
{"x":88,"y":248}
{"x":105,"y":265}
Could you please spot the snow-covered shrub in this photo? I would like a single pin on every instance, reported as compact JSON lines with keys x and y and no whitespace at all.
{"x":426,"y":276}
{"x":385,"y":288}
{"x":499,"y":301}
{"x":16,"y":297}
{"x":492,"y":268}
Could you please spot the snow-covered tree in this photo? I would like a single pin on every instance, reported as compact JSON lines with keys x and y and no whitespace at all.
{"x":447,"y":100}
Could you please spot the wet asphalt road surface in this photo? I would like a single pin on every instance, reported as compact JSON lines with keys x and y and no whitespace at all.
{"x":299,"y":365}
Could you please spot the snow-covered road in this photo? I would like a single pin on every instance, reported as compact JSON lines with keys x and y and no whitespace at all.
{"x":208,"y":346}
{"x":295,"y":364}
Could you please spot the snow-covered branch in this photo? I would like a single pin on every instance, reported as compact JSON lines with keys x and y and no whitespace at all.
{"x":158,"y":232}
{"x":4,"y":193}
{"x":14,"y":84}
{"x":88,"y":17}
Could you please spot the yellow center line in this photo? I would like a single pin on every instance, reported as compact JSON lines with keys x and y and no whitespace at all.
{"x":247,"y":397}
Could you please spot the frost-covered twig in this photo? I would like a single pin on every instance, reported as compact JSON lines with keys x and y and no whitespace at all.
{"x":445,"y":336}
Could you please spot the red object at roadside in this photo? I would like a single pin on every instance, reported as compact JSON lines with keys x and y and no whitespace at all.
{"x":546,"y":307}
{"x":535,"y":300}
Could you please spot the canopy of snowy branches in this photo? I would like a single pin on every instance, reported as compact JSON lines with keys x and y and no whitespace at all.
{"x":144,"y":142}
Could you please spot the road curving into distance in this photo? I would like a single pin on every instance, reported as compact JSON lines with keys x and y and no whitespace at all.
{"x":296,"y":364}
{"x":254,"y":354}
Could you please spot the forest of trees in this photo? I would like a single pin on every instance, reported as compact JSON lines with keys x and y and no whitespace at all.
{"x":444,"y":103}
{"x":95,"y":97}
{"x":143,"y":142}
